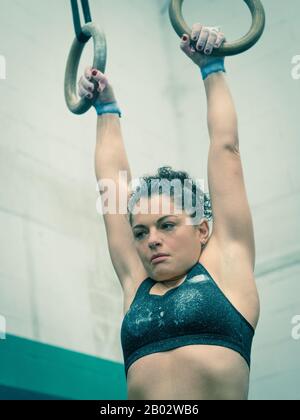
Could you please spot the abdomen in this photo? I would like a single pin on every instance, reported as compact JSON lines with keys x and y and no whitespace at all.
{"x":193,"y":372}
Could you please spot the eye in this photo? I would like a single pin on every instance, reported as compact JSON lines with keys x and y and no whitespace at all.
{"x":168,"y":224}
{"x":138,"y":235}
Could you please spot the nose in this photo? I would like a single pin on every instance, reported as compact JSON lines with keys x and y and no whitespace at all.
{"x":153,"y":244}
{"x":153,"y":240}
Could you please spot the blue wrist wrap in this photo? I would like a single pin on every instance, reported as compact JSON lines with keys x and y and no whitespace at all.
{"x":213,"y":67}
{"x":108,"y":108}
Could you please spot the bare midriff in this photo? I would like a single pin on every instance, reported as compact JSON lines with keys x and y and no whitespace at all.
{"x":193,"y":372}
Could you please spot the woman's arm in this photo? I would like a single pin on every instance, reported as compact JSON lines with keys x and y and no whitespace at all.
{"x":111,"y":164}
{"x":221,"y":118}
{"x":110,"y":154}
{"x":110,"y":160}
{"x":230,"y":207}
{"x":221,"y":114}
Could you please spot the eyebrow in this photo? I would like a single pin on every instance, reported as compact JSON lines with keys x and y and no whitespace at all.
{"x":159,"y":220}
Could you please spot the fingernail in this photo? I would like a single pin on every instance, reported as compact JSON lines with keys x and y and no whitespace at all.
{"x":94,"y":72}
{"x":184,"y":38}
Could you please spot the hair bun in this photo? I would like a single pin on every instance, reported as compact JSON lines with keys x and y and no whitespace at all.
{"x":165,"y":171}
{"x":169,"y":173}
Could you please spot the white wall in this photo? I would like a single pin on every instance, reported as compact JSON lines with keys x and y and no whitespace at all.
{"x":57,"y":283}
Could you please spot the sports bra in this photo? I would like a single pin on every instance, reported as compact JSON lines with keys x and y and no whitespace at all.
{"x":195,"y":312}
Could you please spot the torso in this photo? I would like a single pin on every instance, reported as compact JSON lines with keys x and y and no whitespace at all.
{"x":201,"y":372}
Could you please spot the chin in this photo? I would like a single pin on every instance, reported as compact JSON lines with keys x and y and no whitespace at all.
{"x":161,"y":273}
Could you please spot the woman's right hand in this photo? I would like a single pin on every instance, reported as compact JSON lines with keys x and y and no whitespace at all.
{"x":206,"y":38}
{"x":95,"y":86}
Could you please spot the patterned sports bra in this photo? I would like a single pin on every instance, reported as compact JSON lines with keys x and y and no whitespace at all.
{"x":195,"y":312}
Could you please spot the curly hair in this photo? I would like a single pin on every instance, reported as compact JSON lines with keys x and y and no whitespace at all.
{"x":149,"y":185}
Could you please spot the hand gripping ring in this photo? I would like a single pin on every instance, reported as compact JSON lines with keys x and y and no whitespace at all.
{"x":76,"y":105}
{"x":233,"y":48}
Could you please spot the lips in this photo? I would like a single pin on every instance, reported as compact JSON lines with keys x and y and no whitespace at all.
{"x":156,"y":256}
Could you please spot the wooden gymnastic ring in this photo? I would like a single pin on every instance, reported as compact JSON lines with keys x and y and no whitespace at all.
{"x":233,"y":48}
{"x":75,"y":104}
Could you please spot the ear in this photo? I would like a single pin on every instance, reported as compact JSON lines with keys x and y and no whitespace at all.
{"x":204,"y":230}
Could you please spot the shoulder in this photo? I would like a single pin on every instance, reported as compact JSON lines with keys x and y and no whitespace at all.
{"x":230,"y":266}
{"x":133,"y":284}
{"x":227,"y":257}
{"x":131,"y":293}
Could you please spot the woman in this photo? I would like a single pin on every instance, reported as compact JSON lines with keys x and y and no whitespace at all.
{"x":190,"y":315}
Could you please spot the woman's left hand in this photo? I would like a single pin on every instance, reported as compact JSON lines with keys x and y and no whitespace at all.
{"x":206,"y":38}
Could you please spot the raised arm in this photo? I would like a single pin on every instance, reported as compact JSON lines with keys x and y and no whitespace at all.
{"x":110,"y":160}
{"x":221,"y":114}
{"x":232,"y":216}
{"x":110,"y":153}
{"x":230,"y":207}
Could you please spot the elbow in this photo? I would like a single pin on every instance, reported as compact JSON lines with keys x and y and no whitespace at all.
{"x":225,"y":132}
{"x":229,"y":142}
{"x":233,"y":147}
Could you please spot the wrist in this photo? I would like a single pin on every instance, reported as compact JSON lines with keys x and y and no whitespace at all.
{"x":111,"y":107}
{"x":213,"y":66}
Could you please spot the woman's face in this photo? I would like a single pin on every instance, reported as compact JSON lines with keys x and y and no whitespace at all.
{"x":160,"y":231}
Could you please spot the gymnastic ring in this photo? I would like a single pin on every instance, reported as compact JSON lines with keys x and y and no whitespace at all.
{"x":76,"y":105}
{"x":233,"y":48}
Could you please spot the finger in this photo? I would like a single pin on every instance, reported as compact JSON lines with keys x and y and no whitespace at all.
{"x":196,"y":29}
{"x":85,"y":83}
{"x":185,"y":45}
{"x":97,"y":75}
{"x":210,"y":43}
{"x":83,"y":93}
{"x":101,"y":79}
{"x":202,"y":38}
{"x":103,"y":84}
{"x":88,"y":72}
{"x":221,"y":38}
